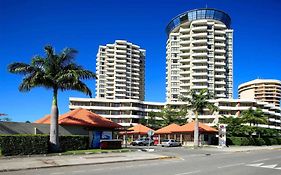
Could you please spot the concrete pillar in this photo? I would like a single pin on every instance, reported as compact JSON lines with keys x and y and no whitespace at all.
{"x":181,"y":138}
{"x":90,"y":138}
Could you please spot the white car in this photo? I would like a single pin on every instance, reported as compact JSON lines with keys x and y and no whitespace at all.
{"x":170,"y":142}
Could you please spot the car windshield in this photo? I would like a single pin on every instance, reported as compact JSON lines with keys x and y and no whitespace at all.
{"x":165,"y":140}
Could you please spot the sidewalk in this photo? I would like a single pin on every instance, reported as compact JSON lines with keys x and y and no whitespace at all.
{"x":13,"y":164}
{"x":243,"y":148}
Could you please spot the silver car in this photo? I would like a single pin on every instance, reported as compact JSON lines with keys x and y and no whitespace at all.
{"x":170,"y":142}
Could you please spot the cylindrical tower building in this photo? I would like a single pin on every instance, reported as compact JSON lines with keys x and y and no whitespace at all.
{"x":265,"y":90}
{"x":199,"y":53}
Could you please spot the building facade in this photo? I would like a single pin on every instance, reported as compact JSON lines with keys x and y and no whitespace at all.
{"x":199,"y":52}
{"x":128,"y":112}
{"x":234,"y":108}
{"x":120,"y":71}
{"x":125,"y":112}
{"x":264,"y":90}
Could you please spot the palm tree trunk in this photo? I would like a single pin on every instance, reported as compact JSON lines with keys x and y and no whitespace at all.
{"x":54,"y":130}
{"x":196,"y":131}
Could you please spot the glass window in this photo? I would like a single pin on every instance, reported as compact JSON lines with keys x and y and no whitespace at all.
{"x":192,"y":15}
{"x":210,"y":14}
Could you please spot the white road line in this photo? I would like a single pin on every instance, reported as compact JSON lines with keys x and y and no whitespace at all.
{"x":56,"y":173}
{"x":231,"y":165}
{"x":191,"y":172}
{"x":255,"y":165}
{"x":269,"y":166}
{"x":79,"y":171}
{"x":260,"y":160}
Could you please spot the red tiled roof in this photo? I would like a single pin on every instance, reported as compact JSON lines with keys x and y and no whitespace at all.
{"x":81,"y":117}
{"x":168,"y":129}
{"x":138,"y":129}
{"x":189,"y":127}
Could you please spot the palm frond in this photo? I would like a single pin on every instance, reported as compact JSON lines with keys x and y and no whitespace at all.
{"x":78,"y":86}
{"x":21,"y":68}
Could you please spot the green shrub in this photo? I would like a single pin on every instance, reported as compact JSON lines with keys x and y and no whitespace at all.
{"x":259,"y":141}
{"x":38,"y":144}
{"x":273,"y":141}
{"x":267,"y":141}
{"x":278,"y":140}
{"x":23,"y":144}
{"x":68,"y":143}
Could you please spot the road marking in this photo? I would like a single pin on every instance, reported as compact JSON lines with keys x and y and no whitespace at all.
{"x":269,"y":166}
{"x":255,"y":165}
{"x":191,"y":172}
{"x":231,"y":165}
{"x":260,"y":160}
{"x":79,"y":171}
{"x":278,"y":168}
{"x":56,"y":173}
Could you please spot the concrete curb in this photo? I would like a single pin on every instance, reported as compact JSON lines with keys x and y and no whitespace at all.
{"x":96,"y":163}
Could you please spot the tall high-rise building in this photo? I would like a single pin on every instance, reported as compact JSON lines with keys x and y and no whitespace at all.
{"x":199,"y":54}
{"x":264,"y":90}
{"x":120,"y":71}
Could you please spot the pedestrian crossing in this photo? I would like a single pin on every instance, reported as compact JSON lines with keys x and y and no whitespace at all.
{"x":262,"y":165}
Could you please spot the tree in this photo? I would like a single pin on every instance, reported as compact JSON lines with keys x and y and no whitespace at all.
{"x":253,"y":117}
{"x":197,"y":101}
{"x":170,"y":115}
{"x":54,"y":72}
{"x":152,"y":120}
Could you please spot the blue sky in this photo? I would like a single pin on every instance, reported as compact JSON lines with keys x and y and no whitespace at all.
{"x":27,"y":25}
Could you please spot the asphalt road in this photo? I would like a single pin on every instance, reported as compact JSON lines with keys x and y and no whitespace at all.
{"x":197,"y":162}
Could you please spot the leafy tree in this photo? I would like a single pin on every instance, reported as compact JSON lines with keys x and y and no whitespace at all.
{"x":153,"y":120}
{"x":197,"y":101}
{"x":170,"y":115}
{"x":233,"y":125}
{"x":54,"y":72}
{"x":253,"y":117}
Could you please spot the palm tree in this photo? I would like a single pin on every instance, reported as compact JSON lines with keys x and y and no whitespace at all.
{"x":54,"y":72}
{"x":253,"y":117}
{"x":197,"y":102}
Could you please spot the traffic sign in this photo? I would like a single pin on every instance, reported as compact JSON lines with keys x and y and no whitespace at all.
{"x":150,"y":133}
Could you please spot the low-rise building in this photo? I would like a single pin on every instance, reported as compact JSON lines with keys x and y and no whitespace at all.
{"x":128,"y":112}
{"x":125,"y":112}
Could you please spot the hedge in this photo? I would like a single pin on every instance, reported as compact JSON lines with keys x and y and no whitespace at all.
{"x":245,"y":141}
{"x":68,"y":143}
{"x":38,"y":144}
{"x":23,"y":144}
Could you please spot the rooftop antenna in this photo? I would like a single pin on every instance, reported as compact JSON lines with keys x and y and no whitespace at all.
{"x":206,"y":6}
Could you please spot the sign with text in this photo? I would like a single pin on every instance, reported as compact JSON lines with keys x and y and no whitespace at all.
{"x":222,"y":135}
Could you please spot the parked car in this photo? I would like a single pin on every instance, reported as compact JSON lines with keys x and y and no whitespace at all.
{"x":170,"y":142}
{"x":142,"y":142}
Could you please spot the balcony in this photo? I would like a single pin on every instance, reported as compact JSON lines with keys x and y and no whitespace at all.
{"x":204,"y":48}
{"x":185,"y":54}
{"x":199,"y":73}
{"x":219,"y":38}
{"x":183,"y":30}
{"x":199,"y":35}
{"x":204,"y":60}
{"x":200,"y":54}
{"x":199,"y":41}
{"x":199,"y":28}
{"x":219,"y":44}
{"x":194,"y":67}
{"x":121,"y":51}
{"x":185,"y":48}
